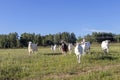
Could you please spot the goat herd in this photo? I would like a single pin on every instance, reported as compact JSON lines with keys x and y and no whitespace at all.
{"x":79,"y":48}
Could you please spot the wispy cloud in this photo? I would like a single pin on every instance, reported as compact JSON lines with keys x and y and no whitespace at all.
{"x":96,"y":30}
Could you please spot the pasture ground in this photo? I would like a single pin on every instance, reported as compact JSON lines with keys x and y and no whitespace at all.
{"x":16,"y":64}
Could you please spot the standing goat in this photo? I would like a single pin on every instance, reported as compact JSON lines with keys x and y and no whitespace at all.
{"x":105,"y":46}
{"x":32,"y":47}
{"x":70,"y":48}
{"x":78,"y":51}
{"x":86,"y":47}
{"x":64,"y":48}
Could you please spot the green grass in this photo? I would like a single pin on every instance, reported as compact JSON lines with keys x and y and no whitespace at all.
{"x":16,"y":64}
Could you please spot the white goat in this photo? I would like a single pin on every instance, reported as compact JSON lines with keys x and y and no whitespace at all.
{"x":32,"y":48}
{"x":86,"y":47}
{"x":105,"y":46}
{"x":78,"y":51}
{"x":70,"y":47}
{"x":53,"y":47}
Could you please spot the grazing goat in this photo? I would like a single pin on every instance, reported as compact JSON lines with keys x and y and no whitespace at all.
{"x":32,"y":47}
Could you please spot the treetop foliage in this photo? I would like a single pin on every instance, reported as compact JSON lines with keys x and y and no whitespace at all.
{"x":13,"y":40}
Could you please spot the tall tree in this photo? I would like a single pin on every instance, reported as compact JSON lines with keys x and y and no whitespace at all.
{"x":72,"y":38}
{"x":13,"y":37}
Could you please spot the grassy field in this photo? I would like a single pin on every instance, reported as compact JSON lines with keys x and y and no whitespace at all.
{"x":15,"y":64}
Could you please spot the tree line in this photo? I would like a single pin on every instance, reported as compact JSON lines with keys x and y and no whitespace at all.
{"x":13,"y":40}
{"x":98,"y":37}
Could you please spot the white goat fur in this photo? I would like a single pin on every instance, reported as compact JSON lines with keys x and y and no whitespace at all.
{"x":105,"y":46}
{"x":78,"y":51}
{"x":86,"y":47}
{"x":32,"y":48}
{"x":70,"y":47}
{"x":53,"y":47}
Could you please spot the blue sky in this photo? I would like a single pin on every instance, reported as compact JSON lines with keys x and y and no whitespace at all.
{"x":52,"y":16}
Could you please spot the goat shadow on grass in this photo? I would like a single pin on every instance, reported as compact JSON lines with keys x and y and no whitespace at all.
{"x":52,"y":54}
{"x":100,"y":53}
{"x":105,"y":57}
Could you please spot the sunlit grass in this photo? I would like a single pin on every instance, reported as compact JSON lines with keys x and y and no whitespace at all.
{"x":16,"y":64}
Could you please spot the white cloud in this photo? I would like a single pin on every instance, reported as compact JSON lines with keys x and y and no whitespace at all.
{"x":96,"y":30}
